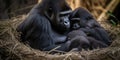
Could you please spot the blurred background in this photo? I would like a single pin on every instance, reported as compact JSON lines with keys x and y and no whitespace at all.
{"x":99,"y":8}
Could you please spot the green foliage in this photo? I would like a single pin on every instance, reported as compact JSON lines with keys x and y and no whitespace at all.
{"x":113,"y":21}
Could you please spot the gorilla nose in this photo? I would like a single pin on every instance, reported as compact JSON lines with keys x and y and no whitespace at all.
{"x":66,"y":23}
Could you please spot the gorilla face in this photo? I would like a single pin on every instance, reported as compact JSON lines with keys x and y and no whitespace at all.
{"x":75,"y":23}
{"x":65,"y":22}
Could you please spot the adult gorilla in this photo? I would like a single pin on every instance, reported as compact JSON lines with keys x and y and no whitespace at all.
{"x":46,"y":24}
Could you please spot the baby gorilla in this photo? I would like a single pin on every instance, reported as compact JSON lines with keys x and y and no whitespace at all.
{"x":89,"y":25}
{"x":79,"y":40}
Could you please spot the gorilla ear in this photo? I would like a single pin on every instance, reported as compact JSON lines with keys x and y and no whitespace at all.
{"x":49,"y":14}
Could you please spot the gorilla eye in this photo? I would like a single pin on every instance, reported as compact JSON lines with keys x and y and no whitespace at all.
{"x":61,"y":20}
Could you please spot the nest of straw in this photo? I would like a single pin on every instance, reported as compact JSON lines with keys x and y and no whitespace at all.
{"x":12,"y":49}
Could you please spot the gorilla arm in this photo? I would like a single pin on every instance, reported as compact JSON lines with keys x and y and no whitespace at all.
{"x":38,"y":32}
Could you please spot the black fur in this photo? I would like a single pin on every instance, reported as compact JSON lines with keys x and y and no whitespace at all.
{"x":80,"y":40}
{"x":93,"y":28}
{"x":40,"y":30}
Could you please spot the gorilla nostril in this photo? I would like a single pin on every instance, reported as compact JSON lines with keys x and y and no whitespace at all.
{"x":66,"y":22}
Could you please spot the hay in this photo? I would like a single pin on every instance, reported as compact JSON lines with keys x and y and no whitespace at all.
{"x":12,"y":49}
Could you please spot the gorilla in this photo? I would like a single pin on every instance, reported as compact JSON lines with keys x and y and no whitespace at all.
{"x":80,"y":40}
{"x":89,"y":25}
{"x":46,"y":25}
